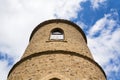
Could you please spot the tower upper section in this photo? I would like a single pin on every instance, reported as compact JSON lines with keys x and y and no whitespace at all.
{"x":58,"y":34}
{"x":58,"y":21}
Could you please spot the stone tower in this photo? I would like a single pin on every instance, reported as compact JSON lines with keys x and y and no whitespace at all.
{"x":57,"y":51}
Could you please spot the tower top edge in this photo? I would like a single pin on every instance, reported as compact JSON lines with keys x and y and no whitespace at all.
{"x":57,"y":21}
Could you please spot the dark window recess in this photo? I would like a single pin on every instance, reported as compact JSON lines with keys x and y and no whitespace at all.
{"x":54,"y":79}
{"x":57,"y":34}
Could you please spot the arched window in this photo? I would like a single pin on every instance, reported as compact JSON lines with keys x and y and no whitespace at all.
{"x":57,"y":34}
{"x":54,"y":79}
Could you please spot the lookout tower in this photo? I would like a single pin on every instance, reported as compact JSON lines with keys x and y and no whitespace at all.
{"x":57,"y":51}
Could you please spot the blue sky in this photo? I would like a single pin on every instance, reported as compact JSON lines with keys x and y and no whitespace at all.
{"x":99,"y":19}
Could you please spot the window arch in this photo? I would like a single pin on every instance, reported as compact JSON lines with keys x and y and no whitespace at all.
{"x":57,"y":34}
{"x":54,"y":79}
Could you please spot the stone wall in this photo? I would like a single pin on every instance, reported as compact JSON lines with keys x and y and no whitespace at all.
{"x":73,"y":41}
{"x":63,"y":65}
{"x":68,"y":59}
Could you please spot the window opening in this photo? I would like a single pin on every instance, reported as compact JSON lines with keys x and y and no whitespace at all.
{"x":54,"y":79}
{"x":57,"y":34}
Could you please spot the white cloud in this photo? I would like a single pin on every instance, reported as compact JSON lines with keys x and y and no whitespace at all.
{"x":102,"y":23}
{"x":105,"y":47}
{"x":68,"y":9}
{"x":113,"y":67}
{"x":96,"y":3}
{"x":19,"y":17}
{"x":81,"y":24}
{"x":3,"y":70}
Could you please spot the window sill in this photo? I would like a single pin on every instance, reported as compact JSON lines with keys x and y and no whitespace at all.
{"x":56,"y":41}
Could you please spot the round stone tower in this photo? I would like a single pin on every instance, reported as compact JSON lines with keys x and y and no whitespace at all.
{"x":57,"y":51}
